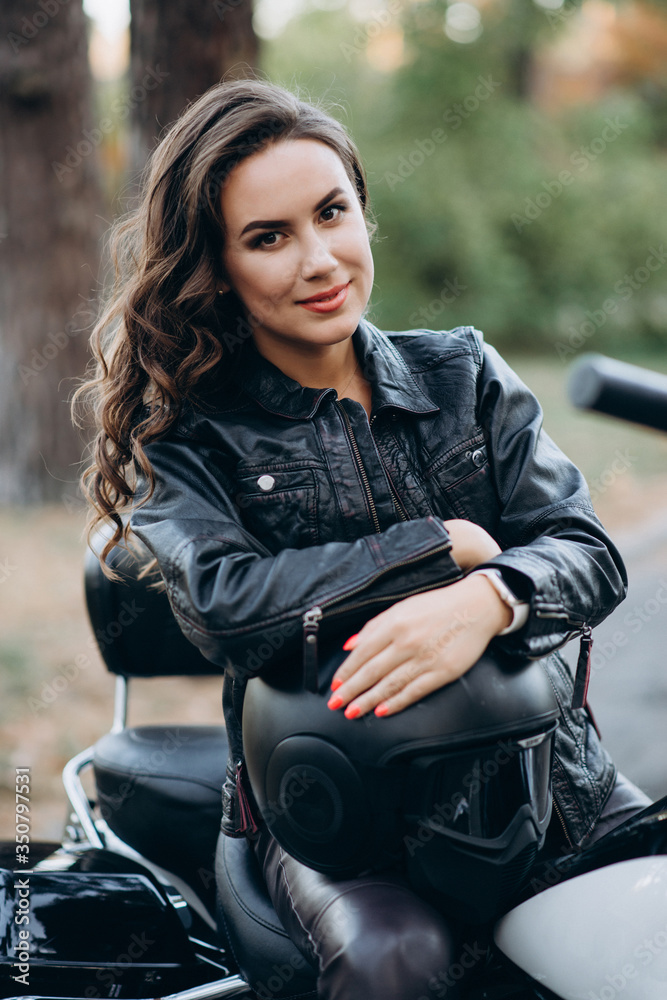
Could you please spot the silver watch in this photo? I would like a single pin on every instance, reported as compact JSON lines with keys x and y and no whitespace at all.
{"x":519,"y":608}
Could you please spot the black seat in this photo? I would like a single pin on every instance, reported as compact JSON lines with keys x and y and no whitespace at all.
{"x":159,"y":787}
{"x":152,"y":782}
{"x":264,"y":953}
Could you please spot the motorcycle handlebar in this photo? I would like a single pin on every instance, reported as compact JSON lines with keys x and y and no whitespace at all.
{"x":618,"y":389}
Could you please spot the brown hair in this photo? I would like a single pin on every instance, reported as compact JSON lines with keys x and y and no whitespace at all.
{"x":165,"y":330}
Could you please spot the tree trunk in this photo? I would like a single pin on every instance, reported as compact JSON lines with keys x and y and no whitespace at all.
{"x":50,"y":223}
{"x":178,"y":51}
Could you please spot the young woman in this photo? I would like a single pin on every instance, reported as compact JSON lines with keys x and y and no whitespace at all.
{"x":278,"y":452}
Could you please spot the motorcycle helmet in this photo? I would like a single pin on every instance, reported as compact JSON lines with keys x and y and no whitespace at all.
{"x":455,"y":789}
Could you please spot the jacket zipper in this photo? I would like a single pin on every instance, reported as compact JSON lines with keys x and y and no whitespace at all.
{"x":583,"y":630}
{"x":311,"y":619}
{"x":583,"y":672}
{"x":311,"y":624}
{"x":561,"y":820}
{"x":362,"y":470}
{"x":398,"y":503}
{"x":392,"y":489}
{"x":402,"y":513}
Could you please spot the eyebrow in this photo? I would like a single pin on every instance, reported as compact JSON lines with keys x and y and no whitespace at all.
{"x":278,"y":223}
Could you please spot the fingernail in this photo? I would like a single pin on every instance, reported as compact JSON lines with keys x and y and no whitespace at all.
{"x":352,"y":712}
{"x":382,"y":708}
{"x":335,"y":702}
{"x":336,"y":683}
{"x":351,"y":642}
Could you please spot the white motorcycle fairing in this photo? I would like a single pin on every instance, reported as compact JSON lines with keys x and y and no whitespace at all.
{"x":598,"y":936}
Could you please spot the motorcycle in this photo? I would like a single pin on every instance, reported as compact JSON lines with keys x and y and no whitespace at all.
{"x":144,"y":899}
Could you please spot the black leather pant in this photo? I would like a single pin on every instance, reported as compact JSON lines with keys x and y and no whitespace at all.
{"x":372,"y":937}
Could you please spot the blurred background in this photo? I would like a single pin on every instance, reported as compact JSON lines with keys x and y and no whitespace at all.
{"x":516,"y":154}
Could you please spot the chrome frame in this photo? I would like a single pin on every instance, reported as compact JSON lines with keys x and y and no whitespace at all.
{"x":73,"y":768}
{"x":78,"y":798}
{"x":121,"y":694}
{"x":233,"y":986}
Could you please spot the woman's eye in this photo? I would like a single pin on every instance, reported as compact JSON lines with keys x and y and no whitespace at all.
{"x":266,"y":240}
{"x":332,"y":212}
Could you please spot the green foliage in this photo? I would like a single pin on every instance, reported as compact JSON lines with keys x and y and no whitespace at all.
{"x":544,"y":231}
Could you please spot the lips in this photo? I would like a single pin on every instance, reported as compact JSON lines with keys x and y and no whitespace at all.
{"x":327,"y":301}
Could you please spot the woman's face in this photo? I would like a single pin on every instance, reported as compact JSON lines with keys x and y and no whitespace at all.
{"x":296,"y":247}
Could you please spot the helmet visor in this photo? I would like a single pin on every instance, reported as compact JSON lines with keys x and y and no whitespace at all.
{"x":477,"y":793}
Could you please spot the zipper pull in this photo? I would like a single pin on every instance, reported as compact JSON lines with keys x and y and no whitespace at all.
{"x":311,"y":625}
{"x":248,"y":823}
{"x":583,"y":672}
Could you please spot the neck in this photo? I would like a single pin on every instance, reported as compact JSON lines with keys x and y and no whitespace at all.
{"x":316,"y":366}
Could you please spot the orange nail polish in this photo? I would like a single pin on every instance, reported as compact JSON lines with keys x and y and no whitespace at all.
{"x":335,"y":702}
{"x":351,"y":642}
{"x":352,"y":712}
{"x":336,"y":683}
{"x":382,"y":709}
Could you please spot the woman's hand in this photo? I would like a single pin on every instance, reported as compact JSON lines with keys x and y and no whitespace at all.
{"x":425,"y":641}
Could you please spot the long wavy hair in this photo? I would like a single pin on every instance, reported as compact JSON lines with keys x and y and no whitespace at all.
{"x":165,"y":334}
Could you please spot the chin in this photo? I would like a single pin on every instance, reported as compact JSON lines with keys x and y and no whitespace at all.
{"x":336,"y":328}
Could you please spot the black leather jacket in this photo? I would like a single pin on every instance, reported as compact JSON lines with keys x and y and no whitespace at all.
{"x":276,"y":498}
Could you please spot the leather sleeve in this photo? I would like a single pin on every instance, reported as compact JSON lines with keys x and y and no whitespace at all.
{"x":555,"y":551}
{"x":243,"y":606}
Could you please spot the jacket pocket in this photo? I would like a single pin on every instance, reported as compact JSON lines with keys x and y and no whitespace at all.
{"x":279,"y":505}
{"x":461,"y":478}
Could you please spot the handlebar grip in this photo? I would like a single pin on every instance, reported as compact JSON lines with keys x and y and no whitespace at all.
{"x":619,"y":390}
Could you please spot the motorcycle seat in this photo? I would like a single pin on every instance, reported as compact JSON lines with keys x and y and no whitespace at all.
{"x":159,"y":790}
{"x":262,"y":949}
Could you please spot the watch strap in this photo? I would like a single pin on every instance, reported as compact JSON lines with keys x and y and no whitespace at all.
{"x":518,"y":607}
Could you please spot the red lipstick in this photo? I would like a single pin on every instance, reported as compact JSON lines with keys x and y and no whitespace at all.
{"x":329,"y":301}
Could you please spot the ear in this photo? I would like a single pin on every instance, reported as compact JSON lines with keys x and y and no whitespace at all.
{"x":224,"y":288}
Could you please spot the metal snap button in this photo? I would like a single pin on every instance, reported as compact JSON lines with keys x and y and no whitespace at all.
{"x":266,"y":483}
{"x":478,"y":457}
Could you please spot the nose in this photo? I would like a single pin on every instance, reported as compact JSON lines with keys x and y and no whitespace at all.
{"x":318,"y":260}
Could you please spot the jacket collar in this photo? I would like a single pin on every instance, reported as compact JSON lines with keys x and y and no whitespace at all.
{"x":392,"y":382}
